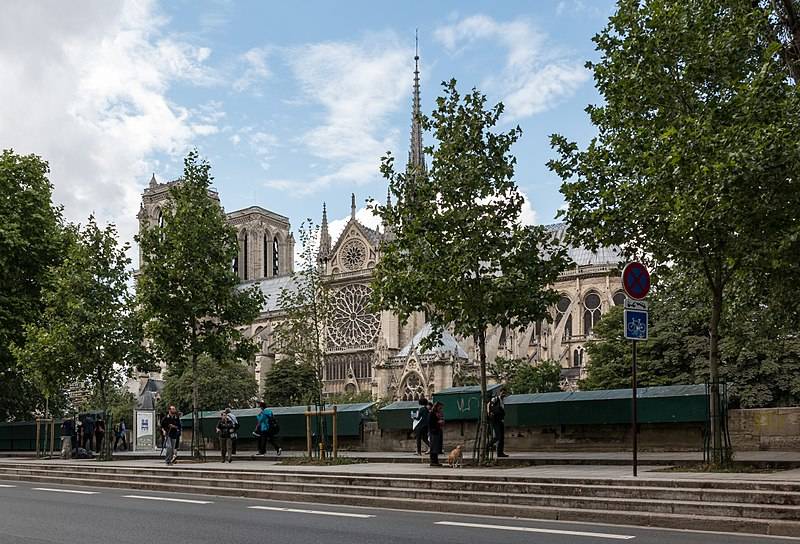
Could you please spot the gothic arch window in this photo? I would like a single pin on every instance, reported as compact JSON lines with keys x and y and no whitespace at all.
{"x":561,"y":308}
{"x":591,"y":312}
{"x":236,"y":265}
{"x":577,"y":357}
{"x":412,"y":387}
{"x":246,"y":260}
{"x":568,"y":328}
{"x":503,"y":343}
{"x":266,"y":255}
{"x":275,"y":258}
{"x":160,"y":219}
{"x":619,"y":298}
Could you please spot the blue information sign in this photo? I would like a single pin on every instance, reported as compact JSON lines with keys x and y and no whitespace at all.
{"x":636,"y":324}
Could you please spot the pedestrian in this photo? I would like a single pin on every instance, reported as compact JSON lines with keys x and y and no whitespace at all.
{"x":119,"y":434}
{"x":266,"y":430}
{"x":88,"y":432}
{"x":77,"y":432}
{"x":235,"y":434}
{"x":421,"y":426}
{"x":99,"y":433}
{"x":180,"y":433}
{"x":225,"y":430}
{"x":169,"y":428}
{"x":436,"y":431}
{"x":497,"y":415}
{"x":67,"y":428}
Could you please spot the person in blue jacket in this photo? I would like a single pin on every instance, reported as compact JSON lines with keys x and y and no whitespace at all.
{"x":266,"y":430}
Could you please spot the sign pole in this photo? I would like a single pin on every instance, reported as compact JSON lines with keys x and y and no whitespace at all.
{"x":634,"y":414}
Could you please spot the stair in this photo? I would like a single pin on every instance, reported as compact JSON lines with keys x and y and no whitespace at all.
{"x":767,"y":508}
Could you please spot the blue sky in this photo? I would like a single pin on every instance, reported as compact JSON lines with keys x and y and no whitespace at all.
{"x":293,"y":103}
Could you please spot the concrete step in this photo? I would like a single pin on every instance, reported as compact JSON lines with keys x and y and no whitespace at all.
{"x":538,"y":498}
{"x":657,"y":490}
{"x":736,"y":524}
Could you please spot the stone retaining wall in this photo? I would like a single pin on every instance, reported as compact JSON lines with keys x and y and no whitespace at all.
{"x":776,"y":429}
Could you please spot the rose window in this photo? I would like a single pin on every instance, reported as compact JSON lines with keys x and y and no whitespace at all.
{"x":353,"y":325}
{"x":354,"y":254}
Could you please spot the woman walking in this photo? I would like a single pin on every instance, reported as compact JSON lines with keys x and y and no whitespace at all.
{"x":436,"y":431}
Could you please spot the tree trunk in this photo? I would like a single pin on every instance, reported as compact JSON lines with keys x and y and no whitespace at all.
{"x":195,"y":394}
{"x":713,"y":366}
{"x":483,"y":442}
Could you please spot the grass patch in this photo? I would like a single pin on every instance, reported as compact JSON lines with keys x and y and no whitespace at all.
{"x":316,"y":462}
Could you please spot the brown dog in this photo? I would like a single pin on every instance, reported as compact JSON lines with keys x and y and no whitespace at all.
{"x":456,"y":457}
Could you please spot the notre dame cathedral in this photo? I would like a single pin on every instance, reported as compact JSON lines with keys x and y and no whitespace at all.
{"x":375,"y":352}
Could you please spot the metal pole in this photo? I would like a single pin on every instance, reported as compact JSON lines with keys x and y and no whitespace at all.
{"x":308,"y":430}
{"x":335,"y":441}
{"x":634,"y":414}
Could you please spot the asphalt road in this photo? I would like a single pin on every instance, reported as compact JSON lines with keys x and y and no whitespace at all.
{"x":47,"y":513}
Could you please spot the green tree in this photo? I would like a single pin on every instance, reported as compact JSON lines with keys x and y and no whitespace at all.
{"x":227,"y":384}
{"x":188,"y":292}
{"x":350,"y":398}
{"x":116,"y":400}
{"x":522,"y":377}
{"x":31,"y":242}
{"x":458,"y":251}
{"x":289,"y":383}
{"x":306,"y":306}
{"x":695,"y":162}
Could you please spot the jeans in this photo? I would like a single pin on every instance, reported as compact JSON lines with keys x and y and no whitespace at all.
{"x":422,"y":436}
{"x":226,"y":448}
{"x":124,"y":442}
{"x":499,"y":431}
{"x":66,"y":447}
{"x":169,"y":446}
{"x":436,"y":446}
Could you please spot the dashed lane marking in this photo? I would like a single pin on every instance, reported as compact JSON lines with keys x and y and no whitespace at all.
{"x":79,"y":492}
{"x":168,"y":499}
{"x":6,"y":485}
{"x":317,"y":512}
{"x":535,"y":530}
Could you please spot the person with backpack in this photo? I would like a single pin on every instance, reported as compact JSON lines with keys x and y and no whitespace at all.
{"x":235,"y":434}
{"x":267,"y":429}
{"x":497,"y":415}
{"x":225,"y":431}
{"x":67,"y":429}
{"x":120,"y":434}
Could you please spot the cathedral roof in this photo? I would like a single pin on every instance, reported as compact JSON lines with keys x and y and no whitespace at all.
{"x":585,"y":257}
{"x":447,"y":344}
{"x":271,"y":288}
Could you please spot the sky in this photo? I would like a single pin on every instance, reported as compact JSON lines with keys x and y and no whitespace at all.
{"x":292,"y":103}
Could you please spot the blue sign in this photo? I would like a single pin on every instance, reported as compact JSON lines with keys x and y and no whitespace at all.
{"x":636,"y":324}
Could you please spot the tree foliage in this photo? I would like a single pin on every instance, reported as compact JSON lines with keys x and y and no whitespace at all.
{"x":89,"y":332}
{"x":289,"y":383}
{"x":458,"y":251}
{"x":31,"y":242}
{"x":188,"y":292}
{"x":522,"y":377}
{"x":695,"y":163}
{"x":227,"y":384}
{"x":306,"y":307}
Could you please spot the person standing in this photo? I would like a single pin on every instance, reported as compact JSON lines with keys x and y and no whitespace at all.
{"x":436,"y":431}
{"x":225,"y":430}
{"x":266,"y":430}
{"x":88,"y":432}
{"x":235,"y":434}
{"x":99,"y":433}
{"x":497,"y":416}
{"x":421,"y":426}
{"x":67,"y":429}
{"x":169,"y":428}
{"x":120,"y":435}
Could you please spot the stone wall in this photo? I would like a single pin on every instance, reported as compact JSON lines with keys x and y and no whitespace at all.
{"x":577,"y":438}
{"x":765,"y":429}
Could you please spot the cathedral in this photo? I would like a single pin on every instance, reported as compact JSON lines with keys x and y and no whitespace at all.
{"x":378,"y":354}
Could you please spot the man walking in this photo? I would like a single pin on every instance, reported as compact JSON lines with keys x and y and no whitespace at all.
{"x":169,"y":428}
{"x":497,"y":416}
{"x":120,"y":435}
{"x":235,"y":434}
{"x":225,"y":430}
{"x":266,"y":430}
{"x":421,"y":426}
{"x":67,"y":428}
{"x":88,"y":432}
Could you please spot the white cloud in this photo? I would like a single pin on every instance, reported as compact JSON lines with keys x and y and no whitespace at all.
{"x":528,"y":215}
{"x":535,"y":75}
{"x":357,"y":85}
{"x":87,"y":90}
{"x":256,"y":69}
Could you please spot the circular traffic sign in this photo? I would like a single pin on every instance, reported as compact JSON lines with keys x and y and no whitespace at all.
{"x":636,"y":280}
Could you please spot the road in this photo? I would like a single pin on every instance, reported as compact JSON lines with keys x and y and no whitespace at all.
{"x":48,"y":513}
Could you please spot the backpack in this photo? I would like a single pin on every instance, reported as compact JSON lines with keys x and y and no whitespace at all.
{"x":273,"y":426}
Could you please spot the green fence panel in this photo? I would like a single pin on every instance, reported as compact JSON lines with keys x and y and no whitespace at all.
{"x":397,"y":416}
{"x":463,"y":403}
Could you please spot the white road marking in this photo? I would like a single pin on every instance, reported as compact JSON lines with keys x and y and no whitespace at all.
{"x":317,"y":512}
{"x":534,"y":530}
{"x":168,"y":499}
{"x":6,"y":485}
{"x":66,"y":491}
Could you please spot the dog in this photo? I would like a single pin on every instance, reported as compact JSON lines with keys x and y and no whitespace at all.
{"x":456,"y":457}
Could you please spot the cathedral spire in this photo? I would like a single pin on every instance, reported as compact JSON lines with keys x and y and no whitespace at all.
{"x":324,"y":236}
{"x":352,"y":205}
{"x":416,"y":157}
